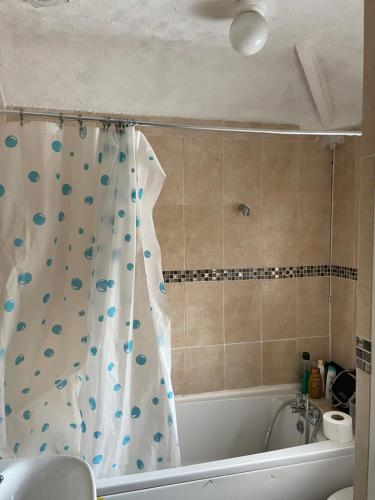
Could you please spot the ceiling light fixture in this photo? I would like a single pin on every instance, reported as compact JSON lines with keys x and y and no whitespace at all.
{"x":249,"y":30}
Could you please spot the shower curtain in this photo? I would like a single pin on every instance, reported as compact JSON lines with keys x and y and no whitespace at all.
{"x":85,"y":334}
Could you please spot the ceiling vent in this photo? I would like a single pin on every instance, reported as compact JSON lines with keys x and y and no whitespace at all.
{"x":46,"y":3}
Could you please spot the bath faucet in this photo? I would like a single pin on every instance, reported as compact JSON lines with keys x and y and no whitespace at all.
{"x":309,"y":413}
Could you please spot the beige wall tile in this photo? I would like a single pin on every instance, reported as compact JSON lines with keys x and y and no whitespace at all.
{"x":178,"y":371}
{"x":176,"y":299}
{"x":313,"y":307}
{"x":318,"y":347}
{"x":204,"y":369}
{"x":344,"y":228}
{"x":279,"y":362}
{"x":242,"y":365}
{"x":368,"y":122}
{"x":367,"y":180}
{"x":242,"y":311}
{"x":203,"y":174}
{"x":362,"y":435}
{"x":314,"y":223}
{"x":170,"y":233}
{"x":280,"y":167}
{"x":242,"y":172}
{"x":365,"y":243}
{"x":342,"y":317}
{"x":279,"y":319}
{"x":315,"y":174}
{"x":243,"y":237}
{"x":345,"y":171}
{"x":280,"y":224}
{"x":170,"y":153}
{"x":203,"y":237}
{"x":364,"y":311}
{"x":204,"y":313}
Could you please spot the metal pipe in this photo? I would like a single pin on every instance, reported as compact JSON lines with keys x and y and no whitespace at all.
{"x":307,"y":421}
{"x":333,"y":167}
{"x":150,"y":123}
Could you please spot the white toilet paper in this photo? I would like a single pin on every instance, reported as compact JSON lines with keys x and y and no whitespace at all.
{"x":337,"y":426}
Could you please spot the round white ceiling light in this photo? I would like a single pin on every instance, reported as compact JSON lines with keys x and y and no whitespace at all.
{"x":249,"y":30}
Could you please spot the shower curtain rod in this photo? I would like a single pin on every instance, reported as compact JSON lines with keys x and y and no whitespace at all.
{"x":61,"y":117}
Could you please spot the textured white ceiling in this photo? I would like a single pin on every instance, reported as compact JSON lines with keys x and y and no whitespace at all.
{"x":165,"y":58}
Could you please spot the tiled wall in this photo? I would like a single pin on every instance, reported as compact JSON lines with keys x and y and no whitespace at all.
{"x":365,"y":251}
{"x":345,"y":251}
{"x":233,"y":334}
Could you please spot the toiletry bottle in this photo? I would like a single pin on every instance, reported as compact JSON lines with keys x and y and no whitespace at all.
{"x":320,"y":365}
{"x":331,"y":375}
{"x":305,"y":372}
{"x":315,"y":384}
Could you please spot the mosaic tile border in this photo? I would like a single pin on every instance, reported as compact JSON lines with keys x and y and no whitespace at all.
{"x":363,"y":354}
{"x":349,"y":273}
{"x":258,"y":273}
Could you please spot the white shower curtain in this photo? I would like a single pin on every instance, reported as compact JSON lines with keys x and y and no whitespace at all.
{"x":85,"y":335}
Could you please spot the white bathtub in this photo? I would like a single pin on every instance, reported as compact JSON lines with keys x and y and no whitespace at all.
{"x":222,"y":438}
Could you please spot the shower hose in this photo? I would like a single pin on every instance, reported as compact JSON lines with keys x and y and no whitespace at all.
{"x":270,"y":428}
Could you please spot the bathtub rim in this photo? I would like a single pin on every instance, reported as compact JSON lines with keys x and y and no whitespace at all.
{"x":237,"y":465}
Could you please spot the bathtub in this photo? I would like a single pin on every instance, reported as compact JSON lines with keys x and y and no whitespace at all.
{"x":221,"y":440}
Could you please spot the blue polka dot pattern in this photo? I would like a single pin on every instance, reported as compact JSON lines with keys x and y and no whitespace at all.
{"x":125,"y":440}
{"x":19,"y":359}
{"x":21,"y":326}
{"x":24,"y":278}
{"x":56,"y":146}
{"x":39,"y":219}
{"x":140,"y":464}
{"x":141,"y":359}
{"x":60,"y":384}
{"x":56,"y":329}
{"x":11,"y":141}
{"x":81,"y":253}
{"x":9,"y":305}
{"x":34,"y":176}
{"x":66,"y":189}
{"x":97,"y":459}
{"x":135,"y":412}
{"x":76,"y":284}
{"x":104,"y":180}
{"x":128,"y":346}
{"x":158,"y":437}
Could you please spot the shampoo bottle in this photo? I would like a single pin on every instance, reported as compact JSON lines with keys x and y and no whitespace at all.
{"x":331,"y":375}
{"x":320,"y":365}
{"x":315,"y":384}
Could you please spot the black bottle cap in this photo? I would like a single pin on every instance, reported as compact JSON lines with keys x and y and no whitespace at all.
{"x":306,"y":356}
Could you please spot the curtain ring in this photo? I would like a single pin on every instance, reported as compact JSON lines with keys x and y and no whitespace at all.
{"x":61,"y":120}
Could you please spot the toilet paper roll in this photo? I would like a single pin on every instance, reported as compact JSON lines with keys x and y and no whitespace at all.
{"x":337,"y":426}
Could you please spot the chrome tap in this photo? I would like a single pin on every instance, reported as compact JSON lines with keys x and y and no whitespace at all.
{"x":308,"y":412}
